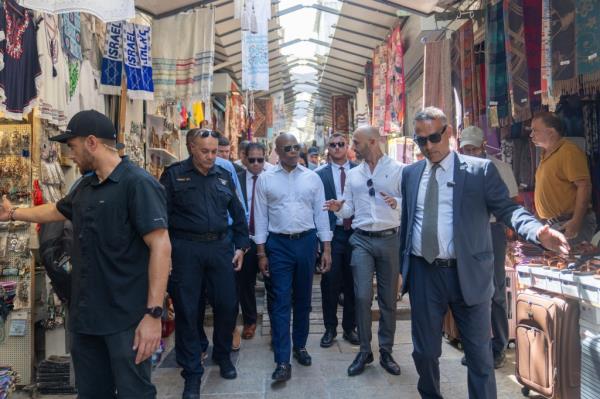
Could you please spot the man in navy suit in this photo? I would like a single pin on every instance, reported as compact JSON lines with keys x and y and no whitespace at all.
{"x":446,"y":251}
{"x":339,"y":278}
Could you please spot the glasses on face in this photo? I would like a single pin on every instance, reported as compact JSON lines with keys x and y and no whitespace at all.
{"x":289,"y":148}
{"x":433,"y":138}
{"x":340,"y":144}
{"x":371,"y":188}
{"x":256,"y":160}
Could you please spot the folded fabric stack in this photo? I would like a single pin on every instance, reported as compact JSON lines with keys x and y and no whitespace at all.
{"x":8,"y":381}
{"x":53,"y":376}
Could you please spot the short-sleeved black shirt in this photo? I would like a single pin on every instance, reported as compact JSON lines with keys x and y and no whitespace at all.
{"x":200,"y":204}
{"x":110,"y":258}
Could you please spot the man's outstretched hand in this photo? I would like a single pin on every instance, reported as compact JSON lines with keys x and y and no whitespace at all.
{"x":553,"y":240}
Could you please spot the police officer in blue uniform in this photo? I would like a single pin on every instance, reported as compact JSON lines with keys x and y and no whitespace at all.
{"x":200,"y":196}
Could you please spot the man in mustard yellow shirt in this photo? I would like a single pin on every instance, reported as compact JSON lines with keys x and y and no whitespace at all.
{"x":562,"y":181}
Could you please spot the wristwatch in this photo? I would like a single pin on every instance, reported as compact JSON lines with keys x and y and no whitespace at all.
{"x":156,"y":312}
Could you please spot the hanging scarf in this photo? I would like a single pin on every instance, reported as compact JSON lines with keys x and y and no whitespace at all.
{"x":70,"y":26}
{"x":546,"y":78}
{"x":455,"y":75}
{"x":369,"y":84}
{"x":588,"y":43}
{"x":516,"y":60}
{"x":468,"y":77}
{"x":532,"y":18}
{"x":379,"y":86}
{"x":564,"y":77}
{"x":437,"y":83}
{"x":138,"y":62}
{"x":396,"y":99}
{"x":497,"y":87}
{"x":112,"y":61}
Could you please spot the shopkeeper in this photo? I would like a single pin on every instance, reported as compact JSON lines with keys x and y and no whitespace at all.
{"x":563,"y":186}
{"x":200,"y":196}
{"x":120,"y":257}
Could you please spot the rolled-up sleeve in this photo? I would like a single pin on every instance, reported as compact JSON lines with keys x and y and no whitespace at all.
{"x":261,"y":212}
{"x":321,"y":217}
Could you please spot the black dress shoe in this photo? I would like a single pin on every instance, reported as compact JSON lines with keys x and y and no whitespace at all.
{"x":499,"y":360}
{"x":283,"y":372}
{"x":352,"y":337}
{"x":191,"y":388}
{"x":302,"y":356}
{"x":359,"y":363}
{"x":227,"y":369}
{"x":328,"y":337}
{"x":388,"y":363}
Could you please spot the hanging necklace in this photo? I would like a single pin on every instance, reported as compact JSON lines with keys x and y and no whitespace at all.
{"x":51,"y":27}
{"x":14,"y":37}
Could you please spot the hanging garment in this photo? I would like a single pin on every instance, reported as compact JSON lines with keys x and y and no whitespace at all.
{"x":55,"y":72}
{"x":437,"y":83}
{"x":497,"y":87}
{"x":380,"y":86}
{"x":197,"y":114}
{"x":516,"y":60}
{"x":341,"y":118}
{"x":591,"y":121}
{"x":112,"y":62}
{"x":588,"y":43}
{"x":455,"y":76}
{"x":548,"y":98}
{"x":532,"y":19}
{"x":70,"y":29}
{"x":570,"y":110}
{"x":255,"y":46}
{"x":184,"y":71}
{"x":259,"y":123}
{"x":92,"y":39}
{"x":396,"y":93}
{"x":107,"y":10}
{"x":369,"y":85}
{"x":564,"y":69}
{"x":21,"y":74}
{"x":468,"y":79}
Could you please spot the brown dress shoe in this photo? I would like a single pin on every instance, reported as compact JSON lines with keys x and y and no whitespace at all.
{"x":249,"y":331}
{"x":237,"y":340}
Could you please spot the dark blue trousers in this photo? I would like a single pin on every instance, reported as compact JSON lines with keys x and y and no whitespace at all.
{"x":499,"y":305}
{"x":432,"y":290}
{"x":195,"y":263}
{"x":291,"y":265}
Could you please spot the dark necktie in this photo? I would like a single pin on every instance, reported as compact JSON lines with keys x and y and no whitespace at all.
{"x":430,"y":247}
{"x":347,"y":221}
{"x":251,"y":223}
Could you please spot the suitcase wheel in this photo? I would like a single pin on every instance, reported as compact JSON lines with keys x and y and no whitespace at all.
{"x":525,"y":391}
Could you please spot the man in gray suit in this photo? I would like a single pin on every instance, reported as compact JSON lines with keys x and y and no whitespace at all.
{"x":446,"y":252}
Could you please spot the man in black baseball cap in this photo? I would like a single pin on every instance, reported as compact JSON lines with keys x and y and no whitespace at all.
{"x":89,"y":123}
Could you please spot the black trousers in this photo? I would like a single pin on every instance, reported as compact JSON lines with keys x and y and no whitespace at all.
{"x":246,"y":286}
{"x":195,"y":263}
{"x":499,"y":306}
{"x":339,"y":279}
{"x":105,"y":367}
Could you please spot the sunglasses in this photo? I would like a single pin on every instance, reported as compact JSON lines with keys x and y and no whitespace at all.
{"x":341,"y":144}
{"x":205,"y":133}
{"x":289,"y":148}
{"x":434,"y":137}
{"x":256,"y":160}
{"x":371,"y":188}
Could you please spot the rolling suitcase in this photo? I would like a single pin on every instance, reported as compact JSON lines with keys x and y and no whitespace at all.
{"x":450,"y":329}
{"x":511,"y":302}
{"x":548,"y":349}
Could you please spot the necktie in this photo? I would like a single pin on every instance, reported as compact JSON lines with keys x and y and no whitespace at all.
{"x":347,"y":221}
{"x":251,"y":223}
{"x":429,"y":232}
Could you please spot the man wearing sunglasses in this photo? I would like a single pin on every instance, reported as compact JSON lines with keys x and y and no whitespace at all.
{"x":446,"y":251}
{"x":339,"y":278}
{"x":372,"y":196}
{"x":288,"y":219}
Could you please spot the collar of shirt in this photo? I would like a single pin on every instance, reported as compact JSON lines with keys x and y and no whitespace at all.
{"x":337,"y":167}
{"x":115,"y":175}
{"x":188,"y":166}
{"x":547,"y":155}
{"x":381,"y":163}
{"x":446,"y":164}
{"x":298,"y":169}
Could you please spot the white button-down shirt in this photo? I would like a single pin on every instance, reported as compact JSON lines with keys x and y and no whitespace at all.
{"x":445,"y":180}
{"x":372,"y":213}
{"x":288,"y":203}
{"x":337,"y":182}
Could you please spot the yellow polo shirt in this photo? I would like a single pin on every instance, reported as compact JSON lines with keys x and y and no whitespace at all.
{"x":555,"y":192}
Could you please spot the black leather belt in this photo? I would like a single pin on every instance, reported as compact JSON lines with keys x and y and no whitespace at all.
{"x":378,"y":234}
{"x":203,"y":237}
{"x":293,"y":236}
{"x":444,"y":263}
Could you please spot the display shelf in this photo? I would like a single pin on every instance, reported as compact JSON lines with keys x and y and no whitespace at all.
{"x":167,"y":157}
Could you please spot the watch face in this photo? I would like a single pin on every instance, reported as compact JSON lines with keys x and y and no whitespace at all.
{"x":155,"y":312}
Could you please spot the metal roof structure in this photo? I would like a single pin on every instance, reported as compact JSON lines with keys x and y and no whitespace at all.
{"x":317,"y":48}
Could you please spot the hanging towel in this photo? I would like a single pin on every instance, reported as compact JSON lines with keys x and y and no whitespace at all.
{"x":138,"y":61}
{"x":516,"y":60}
{"x":532,"y":18}
{"x":112,"y":61}
{"x":497,"y":83}
{"x":564,"y":69}
{"x":437,"y":83}
{"x":588,"y":44}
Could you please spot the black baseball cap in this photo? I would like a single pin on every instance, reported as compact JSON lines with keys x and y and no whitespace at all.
{"x":89,"y":123}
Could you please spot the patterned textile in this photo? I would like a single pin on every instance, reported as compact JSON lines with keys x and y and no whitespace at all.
{"x":369,"y":84}
{"x":497,"y":88}
{"x":259,"y":123}
{"x":379,"y":86}
{"x":564,"y":71}
{"x":588,"y":43}
{"x":492,"y":136}
{"x":107,"y":10}
{"x":70,"y":27}
{"x":112,"y":62}
{"x":591,"y":122}
{"x":73,"y":77}
{"x":479,"y":56}
{"x":396,"y":93}
{"x":437,"y":83}
{"x":532,"y":18}
{"x":184,"y":71}
{"x":546,"y":78}
{"x":468,"y":77}
{"x":455,"y":76}
{"x":255,"y":61}
{"x":341,"y":117}
{"x":137,"y":52}
{"x":516,"y":60}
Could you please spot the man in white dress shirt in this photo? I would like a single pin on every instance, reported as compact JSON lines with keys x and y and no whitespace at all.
{"x":372,"y":195}
{"x":288,"y":219}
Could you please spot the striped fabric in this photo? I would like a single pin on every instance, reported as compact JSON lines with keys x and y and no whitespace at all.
{"x":497,"y":82}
